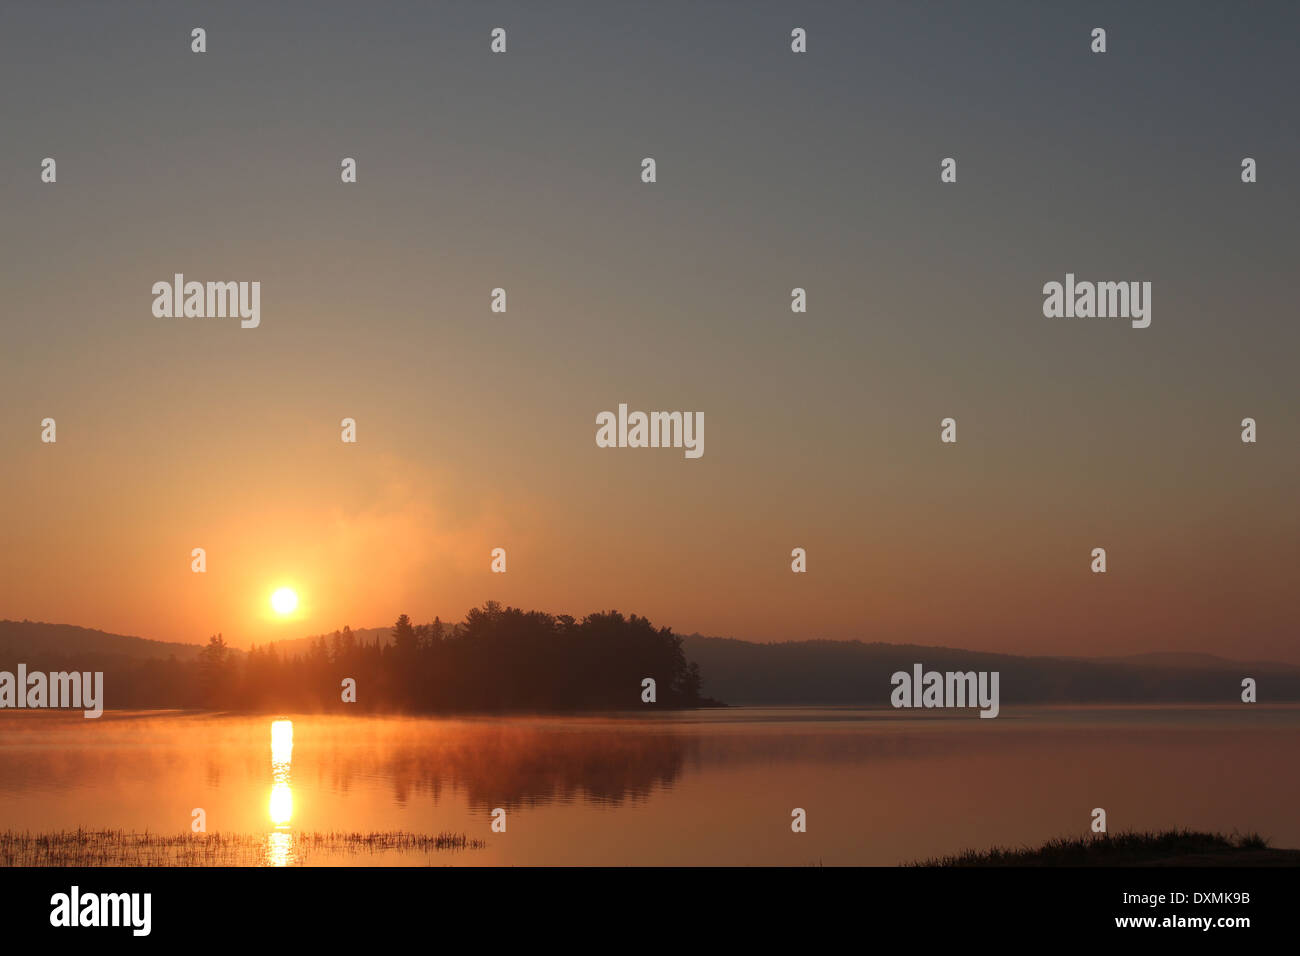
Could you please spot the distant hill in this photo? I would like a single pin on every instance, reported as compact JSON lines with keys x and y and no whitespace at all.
{"x":34,"y":637}
{"x":1188,"y":661}
{"x":29,"y":638}
{"x":853,"y":672}
{"x":816,"y":672}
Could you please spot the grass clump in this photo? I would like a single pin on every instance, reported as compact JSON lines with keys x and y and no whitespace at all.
{"x":83,"y":847}
{"x":1120,"y":849}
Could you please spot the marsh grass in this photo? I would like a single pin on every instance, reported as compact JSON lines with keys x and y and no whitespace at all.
{"x":127,"y":848}
{"x":1120,"y":849}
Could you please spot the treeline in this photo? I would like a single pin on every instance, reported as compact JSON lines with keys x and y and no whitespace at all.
{"x":496,"y":659}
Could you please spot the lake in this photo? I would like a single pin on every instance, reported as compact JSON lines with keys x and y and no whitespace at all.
{"x":700,"y":787}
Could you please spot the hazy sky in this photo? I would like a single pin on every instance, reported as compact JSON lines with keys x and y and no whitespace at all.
{"x":775,"y":170}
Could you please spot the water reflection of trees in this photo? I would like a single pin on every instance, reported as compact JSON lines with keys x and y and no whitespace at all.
{"x":510,"y":766}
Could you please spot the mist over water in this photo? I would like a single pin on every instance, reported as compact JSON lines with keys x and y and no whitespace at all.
{"x":714,"y":787}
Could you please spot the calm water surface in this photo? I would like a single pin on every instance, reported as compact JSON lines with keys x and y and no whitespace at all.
{"x":712,"y":787}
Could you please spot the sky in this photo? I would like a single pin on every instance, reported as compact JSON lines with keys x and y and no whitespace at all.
{"x":775,"y":170}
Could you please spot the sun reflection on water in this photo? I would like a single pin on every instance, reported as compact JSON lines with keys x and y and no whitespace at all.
{"x":279,"y":849}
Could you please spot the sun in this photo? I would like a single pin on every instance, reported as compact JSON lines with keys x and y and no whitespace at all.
{"x":284,"y":600}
